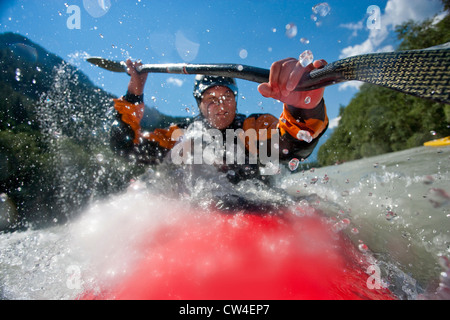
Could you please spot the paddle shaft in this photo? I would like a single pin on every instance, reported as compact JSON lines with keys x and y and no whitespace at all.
{"x":422,"y":73}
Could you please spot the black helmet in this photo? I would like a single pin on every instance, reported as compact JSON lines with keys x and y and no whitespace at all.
{"x":203,"y":83}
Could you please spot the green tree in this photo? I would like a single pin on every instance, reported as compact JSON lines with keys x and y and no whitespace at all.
{"x":378,"y":120}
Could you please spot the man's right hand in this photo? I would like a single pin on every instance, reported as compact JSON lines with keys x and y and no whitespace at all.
{"x":137,"y":80}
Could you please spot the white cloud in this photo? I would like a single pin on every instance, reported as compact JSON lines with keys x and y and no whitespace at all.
{"x":395,"y":13}
{"x":353,"y":26}
{"x":334,"y":123}
{"x":175,"y":81}
{"x":399,"y":11}
{"x":350,"y":84}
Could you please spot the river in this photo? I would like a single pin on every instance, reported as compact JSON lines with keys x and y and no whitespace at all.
{"x":397,"y":205}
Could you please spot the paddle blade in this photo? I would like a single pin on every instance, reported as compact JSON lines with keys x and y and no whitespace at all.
{"x":114,"y":66}
{"x":421,"y":73}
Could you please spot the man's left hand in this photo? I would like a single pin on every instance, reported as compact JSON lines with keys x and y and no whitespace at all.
{"x":284,"y":77}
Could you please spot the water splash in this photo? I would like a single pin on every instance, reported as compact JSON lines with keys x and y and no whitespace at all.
{"x":393,"y":212}
{"x":75,"y":126}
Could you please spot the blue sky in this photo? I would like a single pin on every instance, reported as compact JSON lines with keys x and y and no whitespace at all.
{"x":221,"y":31}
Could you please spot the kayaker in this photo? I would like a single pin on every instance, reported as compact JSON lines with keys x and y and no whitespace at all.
{"x":302,"y":122}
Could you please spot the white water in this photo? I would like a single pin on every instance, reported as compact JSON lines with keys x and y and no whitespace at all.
{"x":398,"y":205}
{"x":93,"y":250}
{"x":96,"y":248}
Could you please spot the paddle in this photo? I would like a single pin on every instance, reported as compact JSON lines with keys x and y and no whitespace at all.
{"x":423,"y":73}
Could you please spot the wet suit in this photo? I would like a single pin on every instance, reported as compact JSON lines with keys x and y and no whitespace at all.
{"x":294,"y":126}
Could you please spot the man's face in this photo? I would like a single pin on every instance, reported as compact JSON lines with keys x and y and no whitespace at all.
{"x":218,"y":106}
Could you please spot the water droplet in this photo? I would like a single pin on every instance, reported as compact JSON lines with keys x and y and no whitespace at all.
{"x":100,"y":157}
{"x":433,"y":133}
{"x":293,"y":164}
{"x":363,"y":248}
{"x":444,"y":262}
{"x":304,"y":136}
{"x":354,"y":231}
{"x":438,"y":197}
{"x":243,"y":54}
{"x":390,"y":215}
{"x":341,"y":225}
{"x":304,"y":40}
{"x":291,"y":30}
{"x":3,"y":197}
{"x":18,"y":74}
{"x":306,"y":58}
{"x":428,"y":180}
{"x":308,"y":100}
{"x":322,"y":9}
{"x":285,"y":151}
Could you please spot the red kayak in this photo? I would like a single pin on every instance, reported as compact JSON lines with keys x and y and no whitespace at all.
{"x":217,"y":256}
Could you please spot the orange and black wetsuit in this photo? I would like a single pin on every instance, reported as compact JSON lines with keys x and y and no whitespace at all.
{"x":129,"y":140}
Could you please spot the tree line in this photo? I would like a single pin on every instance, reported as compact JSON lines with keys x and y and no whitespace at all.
{"x":378,"y":120}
